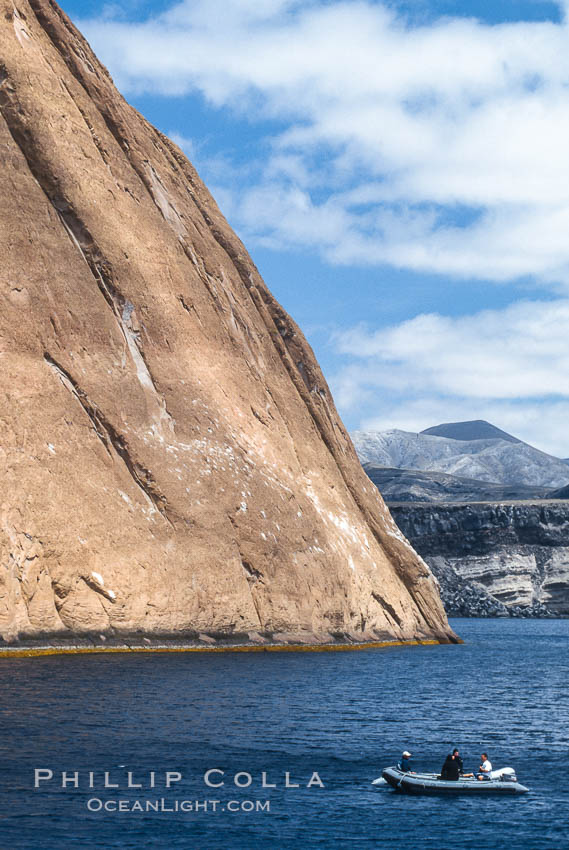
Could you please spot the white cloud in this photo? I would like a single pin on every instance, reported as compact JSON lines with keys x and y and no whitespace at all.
{"x":439,"y":147}
{"x":423,"y":120}
{"x":517,"y":352}
{"x":509,"y":366}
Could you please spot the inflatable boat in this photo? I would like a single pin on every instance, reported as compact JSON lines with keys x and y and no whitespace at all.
{"x":503,"y":781}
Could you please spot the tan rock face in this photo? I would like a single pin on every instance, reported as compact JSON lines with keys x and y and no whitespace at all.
{"x":172,"y":460}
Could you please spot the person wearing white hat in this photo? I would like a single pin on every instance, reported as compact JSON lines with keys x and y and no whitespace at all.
{"x":405,"y":763}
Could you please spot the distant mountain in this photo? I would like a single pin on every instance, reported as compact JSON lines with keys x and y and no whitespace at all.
{"x":412,"y":485}
{"x":476,"y":429}
{"x":494,"y":460}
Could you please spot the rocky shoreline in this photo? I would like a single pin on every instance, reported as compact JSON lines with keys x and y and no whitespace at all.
{"x":79,"y":647}
{"x":464,"y":599}
{"x":506,"y":559}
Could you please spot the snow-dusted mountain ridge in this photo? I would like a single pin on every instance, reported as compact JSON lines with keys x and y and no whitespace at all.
{"x":493,"y":460}
{"x":475,"y":429}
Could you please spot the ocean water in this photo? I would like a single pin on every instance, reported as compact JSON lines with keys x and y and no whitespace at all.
{"x":342,"y":716}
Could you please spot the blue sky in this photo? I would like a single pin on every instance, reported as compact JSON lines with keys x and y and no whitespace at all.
{"x":399,"y":172}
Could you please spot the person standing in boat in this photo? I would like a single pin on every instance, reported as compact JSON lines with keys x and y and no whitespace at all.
{"x":485,"y":769}
{"x":405,"y":762}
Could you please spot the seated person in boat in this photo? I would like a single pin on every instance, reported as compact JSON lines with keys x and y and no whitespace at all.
{"x":485,"y":769}
{"x":452,"y":769}
{"x":405,"y":762}
{"x":455,"y":753}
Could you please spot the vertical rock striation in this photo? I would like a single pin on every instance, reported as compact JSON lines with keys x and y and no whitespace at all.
{"x":172,"y":460}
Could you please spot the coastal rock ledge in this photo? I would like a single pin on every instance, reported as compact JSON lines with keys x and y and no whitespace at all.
{"x":172,"y":460}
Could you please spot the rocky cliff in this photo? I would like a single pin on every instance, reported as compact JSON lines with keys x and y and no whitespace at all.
{"x":172,"y":460}
{"x":413,"y":485}
{"x":494,"y":559}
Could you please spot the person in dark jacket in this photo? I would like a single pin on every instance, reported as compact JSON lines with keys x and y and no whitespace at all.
{"x":455,"y":753}
{"x":405,"y":762}
{"x":453,"y":768}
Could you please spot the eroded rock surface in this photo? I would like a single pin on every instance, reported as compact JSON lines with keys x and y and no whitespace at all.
{"x":494,"y":559}
{"x":172,"y":460}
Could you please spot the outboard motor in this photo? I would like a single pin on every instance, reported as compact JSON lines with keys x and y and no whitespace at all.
{"x":504,"y":774}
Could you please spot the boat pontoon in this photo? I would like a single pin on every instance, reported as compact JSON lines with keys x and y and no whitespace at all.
{"x":504,"y":781}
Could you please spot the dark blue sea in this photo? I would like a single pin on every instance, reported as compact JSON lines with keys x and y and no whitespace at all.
{"x":341,"y":715}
